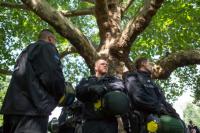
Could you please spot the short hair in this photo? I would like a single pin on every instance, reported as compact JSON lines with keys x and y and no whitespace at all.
{"x":44,"y":33}
{"x":139,"y":61}
{"x":100,"y":58}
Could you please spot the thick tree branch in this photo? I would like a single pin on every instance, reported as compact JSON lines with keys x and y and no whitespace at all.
{"x":5,"y":72}
{"x":101,"y":12}
{"x":167,"y":65}
{"x":108,"y":15}
{"x":82,"y":12}
{"x":125,"y":6}
{"x":65,"y":28}
{"x":68,"y":50}
{"x":138,"y":24}
{"x":13,"y":5}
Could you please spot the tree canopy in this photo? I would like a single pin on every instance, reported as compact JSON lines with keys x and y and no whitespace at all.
{"x":165,"y":30}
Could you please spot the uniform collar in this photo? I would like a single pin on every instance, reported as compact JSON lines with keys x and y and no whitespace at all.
{"x":45,"y":42}
{"x":102,"y":77}
{"x":147,"y":74}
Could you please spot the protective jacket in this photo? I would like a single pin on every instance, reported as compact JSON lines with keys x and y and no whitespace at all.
{"x":146,"y":96}
{"x":37,"y":82}
{"x":87,"y":96}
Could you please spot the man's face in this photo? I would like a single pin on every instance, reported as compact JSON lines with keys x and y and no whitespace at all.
{"x":148,"y":66}
{"x":101,"y":67}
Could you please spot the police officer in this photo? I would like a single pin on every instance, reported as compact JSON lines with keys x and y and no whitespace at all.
{"x":35,"y":89}
{"x":146,"y":97}
{"x":90,"y":91}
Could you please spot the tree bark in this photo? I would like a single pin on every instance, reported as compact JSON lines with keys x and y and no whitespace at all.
{"x":108,"y":15}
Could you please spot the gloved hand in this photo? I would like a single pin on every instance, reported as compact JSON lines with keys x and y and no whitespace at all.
{"x":98,"y":89}
{"x":68,"y":97}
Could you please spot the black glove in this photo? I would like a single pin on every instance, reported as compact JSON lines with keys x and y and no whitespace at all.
{"x":98,"y":89}
{"x":68,"y":96}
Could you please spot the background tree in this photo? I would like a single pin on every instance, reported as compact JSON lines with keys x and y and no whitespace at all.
{"x":166,"y":30}
{"x":3,"y":87}
{"x":192,"y":112}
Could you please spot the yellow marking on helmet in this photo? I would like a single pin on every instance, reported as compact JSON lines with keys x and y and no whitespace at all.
{"x":152,"y":126}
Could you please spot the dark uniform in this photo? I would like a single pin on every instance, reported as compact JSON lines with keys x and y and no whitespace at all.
{"x":36,"y":86}
{"x":146,"y":98}
{"x":71,"y":118}
{"x":96,"y":120}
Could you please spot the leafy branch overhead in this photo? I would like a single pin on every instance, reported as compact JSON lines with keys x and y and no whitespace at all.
{"x":117,"y":29}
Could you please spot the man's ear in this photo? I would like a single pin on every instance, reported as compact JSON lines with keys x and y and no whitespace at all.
{"x":49,"y":39}
{"x":95,"y":68}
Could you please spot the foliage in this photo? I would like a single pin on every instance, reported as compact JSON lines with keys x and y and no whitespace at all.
{"x":192,"y":112}
{"x":3,"y":87}
{"x":74,"y":68}
{"x":175,"y":27}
